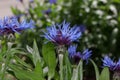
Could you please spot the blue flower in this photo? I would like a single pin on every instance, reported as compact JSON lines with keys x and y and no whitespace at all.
{"x":113,"y":66}
{"x":76,"y":56}
{"x":86,"y":54}
{"x":47,"y":12}
{"x":52,"y":1}
{"x":62,"y":34}
{"x":10,"y":25}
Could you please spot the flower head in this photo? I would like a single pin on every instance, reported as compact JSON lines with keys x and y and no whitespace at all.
{"x":63,"y":34}
{"x":10,"y":25}
{"x":86,"y":54}
{"x":76,"y":56}
{"x":113,"y":66}
{"x":52,"y":1}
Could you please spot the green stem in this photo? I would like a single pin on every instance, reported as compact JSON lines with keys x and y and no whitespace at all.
{"x":7,"y":58}
{"x":78,"y":70}
{"x":5,"y":66}
{"x":81,"y":69}
{"x":75,"y":74}
{"x":61,"y":65}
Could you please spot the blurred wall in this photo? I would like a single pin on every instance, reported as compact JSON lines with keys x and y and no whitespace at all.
{"x":5,"y":7}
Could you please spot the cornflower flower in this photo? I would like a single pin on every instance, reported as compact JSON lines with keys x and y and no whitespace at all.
{"x":10,"y":25}
{"x":113,"y":66}
{"x":62,"y":34}
{"x":76,"y":56}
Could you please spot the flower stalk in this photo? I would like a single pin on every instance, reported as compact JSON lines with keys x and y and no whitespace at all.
{"x":5,"y":64}
{"x":61,"y":65}
{"x":75,"y":74}
{"x":78,"y":71}
{"x":61,"y":49}
{"x":5,"y":67}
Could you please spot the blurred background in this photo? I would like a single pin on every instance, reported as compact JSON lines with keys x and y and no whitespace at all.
{"x":5,"y":7}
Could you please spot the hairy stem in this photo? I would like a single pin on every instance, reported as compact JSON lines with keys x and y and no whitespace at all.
{"x":61,"y":65}
{"x":75,"y":74}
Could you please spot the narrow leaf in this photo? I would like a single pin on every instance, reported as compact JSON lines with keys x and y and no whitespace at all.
{"x":105,"y":75}
{"x":96,"y":69}
{"x":22,"y":62}
{"x":25,"y":74}
{"x":38,"y":70}
{"x":36,"y":54}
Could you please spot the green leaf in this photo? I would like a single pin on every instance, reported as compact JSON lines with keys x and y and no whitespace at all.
{"x":22,"y":62}
{"x":96,"y":69}
{"x":48,"y":53}
{"x":35,"y":53}
{"x":38,"y":70}
{"x":105,"y":75}
{"x":25,"y":74}
{"x":16,"y":11}
{"x":14,"y":51}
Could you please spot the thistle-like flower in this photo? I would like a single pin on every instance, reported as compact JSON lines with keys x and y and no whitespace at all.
{"x":113,"y":66}
{"x":76,"y":56}
{"x":10,"y":25}
{"x":62,"y":34}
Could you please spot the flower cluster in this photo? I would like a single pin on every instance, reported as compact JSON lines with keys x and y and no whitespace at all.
{"x":10,"y":25}
{"x":76,"y":56}
{"x":113,"y":66}
{"x":62,"y":34}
